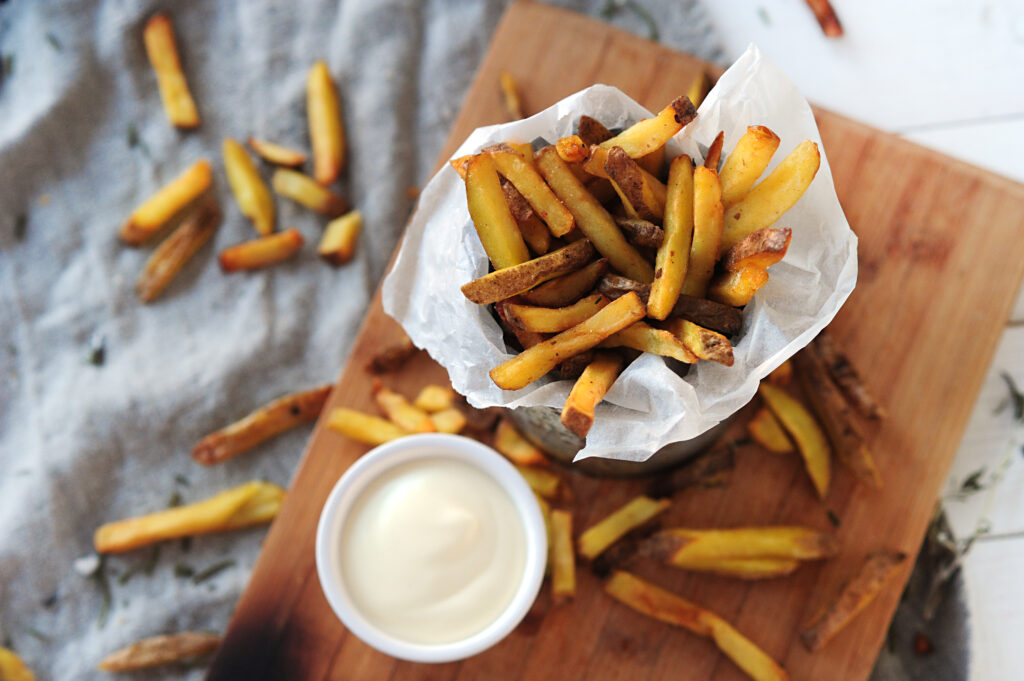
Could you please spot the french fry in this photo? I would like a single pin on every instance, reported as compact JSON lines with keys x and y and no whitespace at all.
{"x":592,"y":131}
{"x":162,"y":51}
{"x":653,"y":162}
{"x":326,"y":132}
{"x":435,"y":398}
{"x":595,"y":165}
{"x":542,"y":481}
{"x":572,"y":149}
{"x":699,"y":88}
{"x":499,"y":234}
{"x":392,"y":357}
{"x":707,"y":232}
{"x":450,"y":420}
{"x":592,"y":219}
{"x":826,"y":17}
{"x":545,"y":511}
{"x":740,"y":568}
{"x":806,"y":433}
{"x":680,"y":546}
{"x":773,"y":196}
{"x":517,"y":205}
{"x":536,"y":235}
{"x":647,"y":135}
{"x":510,"y":281}
{"x":249,"y":504}
{"x":510,"y":95}
{"x":703,"y":343}
{"x":747,"y":162}
{"x":836,"y":415}
{"x":520,"y":171}
{"x":304,"y":190}
{"x":518,"y":449}
{"x":646,"y":338}
{"x":400,"y":412}
{"x":631,"y":179}
{"x":13,"y":668}
{"x":262,"y":252}
{"x":613,"y":527}
{"x":533,"y":363}
{"x":568,"y":288}
{"x":276,"y":153}
{"x":158,"y":210}
{"x":655,"y":602}
{"x":527,"y":339}
{"x":763,"y":249}
{"x":641,"y":232}
{"x":766,"y":431}
{"x":724,"y":319}
{"x":554,"y":320}
{"x":782,"y":375}
{"x":589,"y":390}
{"x":250,"y":190}
{"x":672,"y":263}
{"x":857,"y":594}
{"x":563,"y":562}
{"x":737,"y":288}
{"x":365,"y":428}
{"x":173,"y":252}
{"x":160,"y":650}
{"x":847,"y":378}
{"x":270,"y":420}
{"x":614,"y":287}
{"x":338,"y":243}
{"x":714,"y":155}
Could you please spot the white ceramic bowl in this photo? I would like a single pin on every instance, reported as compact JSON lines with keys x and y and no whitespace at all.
{"x":384,"y":458}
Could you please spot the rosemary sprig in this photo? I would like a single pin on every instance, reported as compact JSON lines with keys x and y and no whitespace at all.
{"x":212,"y":571}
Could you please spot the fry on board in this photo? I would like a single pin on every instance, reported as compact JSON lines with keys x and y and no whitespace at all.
{"x":518,"y":449}
{"x":160,"y":650}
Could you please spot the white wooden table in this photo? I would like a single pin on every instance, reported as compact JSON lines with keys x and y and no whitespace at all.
{"x":947,"y":74}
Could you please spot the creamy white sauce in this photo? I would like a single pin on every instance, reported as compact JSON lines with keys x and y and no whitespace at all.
{"x":433,"y":551}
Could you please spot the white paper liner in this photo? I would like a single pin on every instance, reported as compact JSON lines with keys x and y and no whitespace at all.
{"x":649,"y":405}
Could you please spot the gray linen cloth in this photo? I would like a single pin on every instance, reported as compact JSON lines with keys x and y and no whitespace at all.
{"x":101,"y":397}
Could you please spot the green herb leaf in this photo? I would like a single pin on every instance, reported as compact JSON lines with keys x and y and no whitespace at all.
{"x":154,"y":556}
{"x":972,"y":483}
{"x":184,"y":571}
{"x":20,"y":227}
{"x":645,"y":16}
{"x":128,"y":574}
{"x":38,"y":635}
{"x":762,"y":14}
{"x":8,"y":64}
{"x":54,"y":43}
{"x":104,"y":586}
{"x":182,"y":480}
{"x":212,"y":571}
{"x":1016,"y":399}
{"x":832,"y":517}
{"x":97,"y":351}
{"x":175,"y":500}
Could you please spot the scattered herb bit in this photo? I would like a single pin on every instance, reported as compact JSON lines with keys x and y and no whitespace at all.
{"x":54,"y":43}
{"x":972,"y":483}
{"x":97,"y":351}
{"x":8,"y":642}
{"x":50,"y":600}
{"x":762,"y":13}
{"x":184,"y":571}
{"x":175,"y":500}
{"x":133,"y":136}
{"x":20,"y":227}
{"x":104,"y":586}
{"x":833,"y":518}
{"x":128,"y":574}
{"x":154,"y":556}
{"x":8,"y":64}
{"x":182,"y":480}
{"x":922,"y":644}
{"x":186,"y":544}
{"x":212,"y":571}
{"x":38,"y":635}
{"x":1015,"y":400}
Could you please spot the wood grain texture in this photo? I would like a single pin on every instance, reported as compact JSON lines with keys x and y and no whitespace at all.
{"x":941,"y":262}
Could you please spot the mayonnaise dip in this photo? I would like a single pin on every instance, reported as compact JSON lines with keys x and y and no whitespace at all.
{"x":432,"y":551}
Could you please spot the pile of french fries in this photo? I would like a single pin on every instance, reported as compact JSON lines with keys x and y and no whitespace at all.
{"x":603,"y":248}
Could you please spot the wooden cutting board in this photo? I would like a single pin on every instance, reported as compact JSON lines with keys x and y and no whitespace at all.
{"x":941,"y":261}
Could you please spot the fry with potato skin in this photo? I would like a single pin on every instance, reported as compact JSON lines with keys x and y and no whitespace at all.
{"x":672,"y":263}
{"x":805,"y":432}
{"x":738,"y":288}
{"x":160,"y":650}
{"x":592,"y":131}
{"x":270,"y":420}
{"x":304,"y":190}
{"x":392,"y":357}
{"x":173,"y":252}
{"x":262,"y":252}
{"x":162,"y":51}
{"x":751,"y":155}
{"x":614,"y":287}
{"x":647,"y":135}
{"x":847,"y":378}
{"x":646,"y":338}
{"x":531,"y":364}
{"x":714,"y":155}
{"x":326,"y":131}
{"x":589,"y":390}
{"x":707,"y":232}
{"x":168,"y":201}
{"x":724,"y":319}
{"x":598,"y":537}
{"x":677,"y":545}
{"x":338,"y":243}
{"x":703,"y":343}
{"x":554,"y":320}
{"x":526,"y":339}
{"x":518,"y":449}
{"x":400,"y":412}
{"x":595,"y":165}
{"x":528,"y":182}
{"x":499,"y":234}
{"x":505,"y":283}
{"x":365,"y":428}
{"x":568,"y":288}
{"x":766,"y":431}
{"x":250,"y":190}
{"x":642,"y":232}
{"x":763,"y":248}
{"x":563,"y":561}
{"x":276,"y":153}
{"x":637,"y":193}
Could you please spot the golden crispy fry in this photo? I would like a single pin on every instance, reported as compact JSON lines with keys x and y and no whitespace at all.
{"x":646,"y":338}
{"x":572,"y":149}
{"x":554,"y":320}
{"x":505,"y":283}
{"x":400,"y":412}
{"x":499,"y":234}
{"x":536,"y":235}
{"x":338,"y":243}
{"x":249,"y":504}
{"x":644,"y":137}
{"x":326,"y":132}
{"x":157,"y":211}
{"x":533,"y":363}
{"x":568,"y":288}
{"x":641,"y":232}
{"x":303,"y":189}
{"x":435,"y":398}
{"x":836,"y":415}
{"x":522,"y":174}
{"x":699,"y":88}
{"x":782,"y":375}
{"x":766,"y":431}
{"x":748,"y":159}
{"x":592,"y":131}
{"x":160,"y":650}
{"x":636,"y":191}
{"x":714,"y":155}
{"x":460,"y":164}
{"x":878,"y":569}
{"x":13,"y":668}
{"x":510,"y":95}
{"x":737,"y":288}
{"x":545,"y":511}
{"x":613,"y":286}
{"x":518,"y":449}
{"x":589,"y":390}
{"x":173,"y":252}
{"x":393,"y":357}
{"x":653,"y":162}
{"x":724,"y":319}
{"x":276,"y":153}
{"x":262,"y":252}
{"x":162,"y":51}
{"x":740,"y":568}
{"x":542,"y":481}
{"x":847,"y":378}
{"x":250,"y":190}
{"x":592,"y":219}
{"x":527,"y":339}
{"x":763,"y":248}
{"x":517,"y":205}
{"x":707,"y":232}
{"x":773,"y":196}
{"x":703,"y":343}
{"x":662,"y":605}
{"x":826,"y":17}
{"x":673,"y":259}
{"x":595,"y":165}
{"x":563,"y":561}
{"x":450,"y":420}
{"x":678,"y":546}
{"x":269,"y":420}
{"x":365,"y":428}
{"x":806,"y":433}
{"x":613,"y":527}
